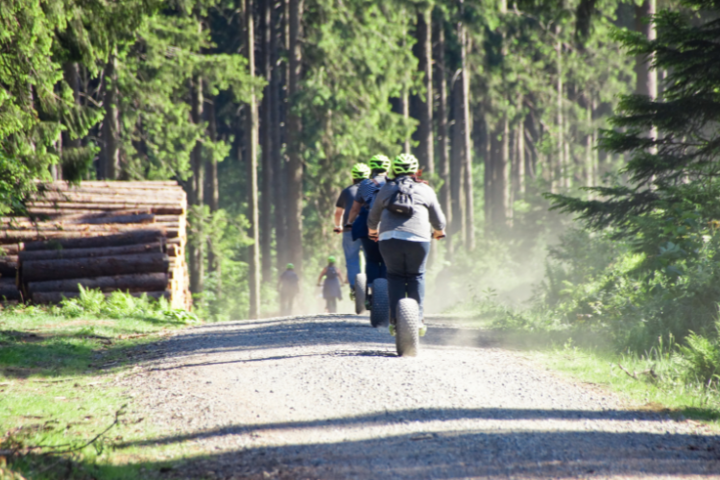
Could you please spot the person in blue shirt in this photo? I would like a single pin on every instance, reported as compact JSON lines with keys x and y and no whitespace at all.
{"x":351,"y":246}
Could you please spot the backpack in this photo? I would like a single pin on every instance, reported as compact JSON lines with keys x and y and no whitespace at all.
{"x":331,"y":273}
{"x":402,"y":201}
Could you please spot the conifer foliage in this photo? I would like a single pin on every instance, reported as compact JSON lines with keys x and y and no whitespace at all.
{"x":259,"y":108}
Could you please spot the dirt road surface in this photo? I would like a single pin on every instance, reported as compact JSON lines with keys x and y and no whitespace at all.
{"x":325,"y":397}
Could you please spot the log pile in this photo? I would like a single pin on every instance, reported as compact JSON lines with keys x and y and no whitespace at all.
{"x":127,"y":236}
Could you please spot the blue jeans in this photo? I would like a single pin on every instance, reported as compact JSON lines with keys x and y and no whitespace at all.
{"x":374,"y":264}
{"x":405,"y":271}
{"x":352,"y":256}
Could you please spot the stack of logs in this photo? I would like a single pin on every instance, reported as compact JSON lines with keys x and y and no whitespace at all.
{"x":127,"y":236}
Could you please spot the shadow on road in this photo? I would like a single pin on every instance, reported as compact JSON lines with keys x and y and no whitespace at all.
{"x":461,"y":454}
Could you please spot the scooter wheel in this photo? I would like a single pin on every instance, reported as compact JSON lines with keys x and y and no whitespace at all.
{"x":407,"y":338}
{"x":360,"y":289}
{"x":380,"y":312}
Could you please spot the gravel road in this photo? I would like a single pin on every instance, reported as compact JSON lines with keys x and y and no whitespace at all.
{"x":326,"y":397}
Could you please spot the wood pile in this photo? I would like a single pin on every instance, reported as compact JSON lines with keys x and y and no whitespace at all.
{"x":127,"y":236}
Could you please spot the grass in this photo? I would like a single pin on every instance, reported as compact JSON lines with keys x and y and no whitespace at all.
{"x":58,"y":388}
{"x":654,"y":380}
{"x":643,"y":380}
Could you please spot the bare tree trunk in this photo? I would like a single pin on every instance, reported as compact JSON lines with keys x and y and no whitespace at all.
{"x":444,"y":164}
{"x":646,"y":78}
{"x":424,"y":38}
{"x":212,"y":194}
{"x":252,"y":150}
{"x":466,"y":145}
{"x":72,"y":78}
{"x":277,"y":100}
{"x":195,"y":249}
{"x":110,"y":156}
{"x":589,"y":181}
{"x":562,"y":161}
{"x":456,"y":159}
{"x":268,"y":174}
{"x":504,"y":171}
{"x":488,"y":176}
{"x":295,"y":167}
{"x":520,"y":157}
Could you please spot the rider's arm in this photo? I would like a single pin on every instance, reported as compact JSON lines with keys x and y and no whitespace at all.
{"x":338,"y":216}
{"x":354,"y":211}
{"x":322,"y":274}
{"x":437,"y":217}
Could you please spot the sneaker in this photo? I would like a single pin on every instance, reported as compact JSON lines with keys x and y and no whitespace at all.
{"x":422,"y":330}
{"x":391,"y":327}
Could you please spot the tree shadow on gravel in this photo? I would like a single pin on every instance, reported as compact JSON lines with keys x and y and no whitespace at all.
{"x":462,"y":454}
{"x":324,"y":330}
{"x":422,"y":415}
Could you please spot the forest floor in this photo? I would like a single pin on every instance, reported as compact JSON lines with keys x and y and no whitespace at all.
{"x":326,"y":397}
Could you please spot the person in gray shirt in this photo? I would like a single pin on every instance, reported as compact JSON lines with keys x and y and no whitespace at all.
{"x":409,"y":216}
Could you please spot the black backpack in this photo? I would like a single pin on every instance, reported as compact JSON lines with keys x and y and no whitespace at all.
{"x":402,"y":201}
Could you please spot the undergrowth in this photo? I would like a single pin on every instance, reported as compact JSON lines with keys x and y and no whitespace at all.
{"x":62,"y":413}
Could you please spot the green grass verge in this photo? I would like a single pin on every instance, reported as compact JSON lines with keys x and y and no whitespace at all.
{"x":58,"y":390}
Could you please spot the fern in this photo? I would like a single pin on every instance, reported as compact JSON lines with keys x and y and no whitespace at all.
{"x":700,"y":358}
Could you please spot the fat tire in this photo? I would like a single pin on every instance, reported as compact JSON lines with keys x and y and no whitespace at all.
{"x":407,"y":337}
{"x":380,"y":312}
{"x":360,"y":289}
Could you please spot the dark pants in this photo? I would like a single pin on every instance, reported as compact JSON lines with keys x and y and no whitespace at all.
{"x":405,"y":271}
{"x":374,"y":264}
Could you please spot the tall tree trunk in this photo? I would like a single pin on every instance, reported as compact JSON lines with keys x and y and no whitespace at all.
{"x":488,"y":186}
{"x":497,"y":204}
{"x":504,"y":169}
{"x":72,"y":78}
{"x":267,"y":193}
{"x":646,"y":78}
{"x":195,"y":249}
{"x":466,"y":146}
{"x":456,"y":160}
{"x":424,"y":38}
{"x":212,"y":195}
{"x":562,"y":161}
{"x":295,"y":167}
{"x":110,"y":155}
{"x":277,"y":100}
{"x":589,"y":180}
{"x":444,"y":163}
{"x":252,"y":158}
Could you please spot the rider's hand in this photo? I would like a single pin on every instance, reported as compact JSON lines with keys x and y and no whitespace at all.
{"x":337,"y":229}
{"x":373,"y":235}
{"x":438,"y":234}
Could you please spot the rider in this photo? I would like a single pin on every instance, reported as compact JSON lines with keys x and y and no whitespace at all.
{"x":344,"y":204}
{"x":288,"y":287}
{"x":404,"y":238}
{"x":331,"y":287}
{"x":367,"y":190}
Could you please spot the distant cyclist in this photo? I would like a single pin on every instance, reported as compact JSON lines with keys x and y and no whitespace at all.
{"x":367,"y":190}
{"x":344,"y":204}
{"x":409,"y":215}
{"x":288,"y":287}
{"x":332,"y":291}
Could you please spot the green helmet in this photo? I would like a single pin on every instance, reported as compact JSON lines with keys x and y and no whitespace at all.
{"x":404,"y":164}
{"x":290,"y":266}
{"x":379,"y":162}
{"x":360,"y":171}
{"x":331,"y":259}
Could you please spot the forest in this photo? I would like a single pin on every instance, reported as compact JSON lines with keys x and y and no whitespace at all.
{"x":517,"y":110}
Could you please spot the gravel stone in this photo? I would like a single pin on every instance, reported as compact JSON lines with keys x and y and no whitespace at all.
{"x":326,"y":397}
